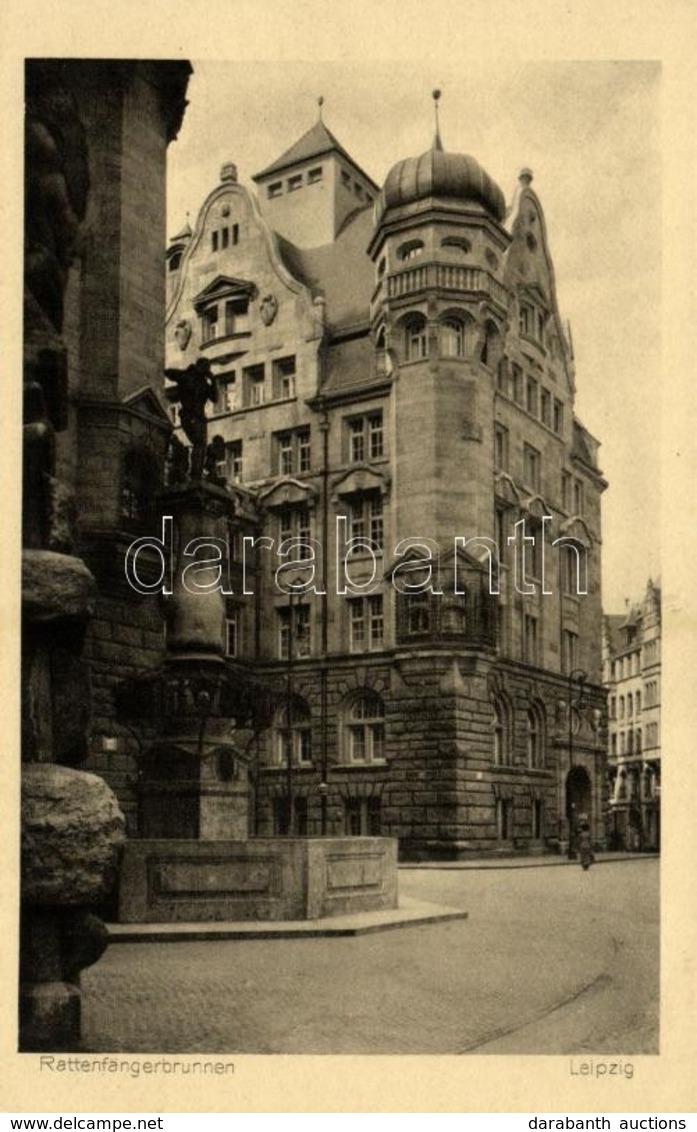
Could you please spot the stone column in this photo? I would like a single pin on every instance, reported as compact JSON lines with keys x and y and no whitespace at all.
{"x":195,"y":776}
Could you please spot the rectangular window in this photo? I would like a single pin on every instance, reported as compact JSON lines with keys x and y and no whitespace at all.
{"x":294,"y":523}
{"x":565,"y":490}
{"x":366,"y":623}
{"x":229,"y":315}
{"x":558,"y":416}
{"x":358,"y":190}
{"x":578,"y":497}
{"x":377,"y":622}
{"x":283,"y":372}
{"x":233,"y":457}
{"x":366,"y":438}
{"x":530,"y":641}
{"x":526,"y":321}
{"x":214,"y":241}
{"x":503,"y":818}
{"x":501,"y":447}
{"x":254,"y":385}
{"x":531,"y":467}
{"x":285,"y":454}
{"x":275,"y":190}
{"x":517,"y":384}
{"x":375,"y":435}
{"x":304,"y":450}
{"x":377,"y":530}
{"x":531,"y":396}
{"x":357,"y":441}
{"x":295,"y":182}
{"x":301,"y":632}
{"x":533,"y":556}
{"x":546,"y":407}
{"x":357,"y":624}
{"x":570,"y":651}
{"x":314,"y":175}
{"x":345,"y":179}
{"x":225,"y":237}
{"x":209,"y":324}
{"x":357,"y":519}
{"x":293,"y":452}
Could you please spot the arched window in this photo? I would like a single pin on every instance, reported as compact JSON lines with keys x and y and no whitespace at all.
{"x":452,"y":338}
{"x":365,"y":729}
{"x":502,"y":732}
{"x":457,"y":244}
{"x":536,"y":736}
{"x":410,"y":250}
{"x":415,"y":338}
{"x":294,"y":722}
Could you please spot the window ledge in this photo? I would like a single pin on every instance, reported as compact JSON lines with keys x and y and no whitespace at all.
{"x":374,"y":763}
{"x":225,"y":338}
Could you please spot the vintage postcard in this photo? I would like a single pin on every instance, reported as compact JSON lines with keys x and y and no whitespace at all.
{"x":352,"y":480}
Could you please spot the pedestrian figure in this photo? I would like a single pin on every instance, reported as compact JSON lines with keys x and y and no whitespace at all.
{"x":585,"y":850}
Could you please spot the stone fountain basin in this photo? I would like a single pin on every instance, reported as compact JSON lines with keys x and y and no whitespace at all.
{"x":265,"y":878}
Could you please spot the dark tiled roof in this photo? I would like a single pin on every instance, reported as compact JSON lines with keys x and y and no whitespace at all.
{"x":352,"y":367}
{"x":341,"y":271}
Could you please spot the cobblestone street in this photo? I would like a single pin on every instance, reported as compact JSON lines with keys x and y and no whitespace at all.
{"x":550,"y":960}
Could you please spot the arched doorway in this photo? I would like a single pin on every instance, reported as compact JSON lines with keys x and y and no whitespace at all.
{"x":579,"y":798}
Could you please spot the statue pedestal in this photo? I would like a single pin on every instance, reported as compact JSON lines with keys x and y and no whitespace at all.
{"x":266,"y":878}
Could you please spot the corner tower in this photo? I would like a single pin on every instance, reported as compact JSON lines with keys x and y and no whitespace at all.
{"x":439,"y":314}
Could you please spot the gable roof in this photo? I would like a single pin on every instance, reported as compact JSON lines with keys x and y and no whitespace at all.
{"x":315,"y":143}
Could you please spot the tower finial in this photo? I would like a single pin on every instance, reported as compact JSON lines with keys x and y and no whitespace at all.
{"x":320,"y":103}
{"x":437,"y":144}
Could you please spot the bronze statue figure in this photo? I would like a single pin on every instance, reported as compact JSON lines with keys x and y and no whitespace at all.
{"x":194,"y":386}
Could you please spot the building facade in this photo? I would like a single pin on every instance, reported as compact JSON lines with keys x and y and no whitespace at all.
{"x":115,"y":119}
{"x":395,"y":402}
{"x":632,"y":674}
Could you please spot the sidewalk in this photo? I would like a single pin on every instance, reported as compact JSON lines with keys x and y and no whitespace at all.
{"x":542,"y":861}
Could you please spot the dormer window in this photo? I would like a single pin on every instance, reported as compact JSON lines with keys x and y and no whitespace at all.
{"x":209,"y":324}
{"x":223,"y":308}
{"x":411,"y":250}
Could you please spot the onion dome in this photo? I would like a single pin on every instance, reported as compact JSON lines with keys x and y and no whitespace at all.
{"x":440,"y":174}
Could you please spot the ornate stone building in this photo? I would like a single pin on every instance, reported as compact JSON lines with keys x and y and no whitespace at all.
{"x":632,"y":674}
{"x":395,"y":408}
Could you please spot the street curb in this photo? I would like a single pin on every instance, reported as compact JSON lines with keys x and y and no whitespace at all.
{"x":410,"y":913}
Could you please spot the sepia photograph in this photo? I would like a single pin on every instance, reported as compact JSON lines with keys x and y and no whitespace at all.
{"x":342,"y":578}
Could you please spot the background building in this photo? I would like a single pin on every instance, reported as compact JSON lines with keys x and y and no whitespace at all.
{"x":632,"y":674}
{"x":391,"y":365}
